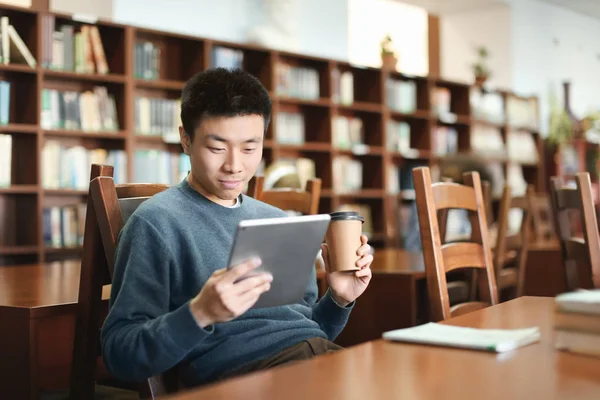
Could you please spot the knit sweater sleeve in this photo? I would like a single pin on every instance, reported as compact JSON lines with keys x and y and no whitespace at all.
{"x":331,"y":317}
{"x":141,"y":336}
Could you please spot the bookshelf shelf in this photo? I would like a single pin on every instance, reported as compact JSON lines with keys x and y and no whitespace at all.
{"x":117,"y":135}
{"x":24,"y":68}
{"x":65,"y":192}
{"x":18,"y":128}
{"x":363,"y":194}
{"x":419,"y":115}
{"x":19,"y":189}
{"x":323,"y":102}
{"x":62,"y":250}
{"x":361,"y":106}
{"x":393,"y":116}
{"x":18,"y":250}
{"x":308,"y":146}
{"x":162,"y":84}
{"x":98,"y":78}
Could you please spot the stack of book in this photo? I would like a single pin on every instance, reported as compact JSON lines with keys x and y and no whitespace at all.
{"x":577,"y":322}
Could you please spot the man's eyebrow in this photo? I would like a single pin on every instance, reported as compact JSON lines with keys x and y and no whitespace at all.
{"x":216,"y":137}
{"x":212,"y":136}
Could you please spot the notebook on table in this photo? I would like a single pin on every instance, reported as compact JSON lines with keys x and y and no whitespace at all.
{"x":493,"y":340}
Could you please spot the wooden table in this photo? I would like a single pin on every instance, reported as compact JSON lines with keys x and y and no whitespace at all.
{"x":385,"y":370}
{"x":37,"y":324}
{"x":38,"y":307}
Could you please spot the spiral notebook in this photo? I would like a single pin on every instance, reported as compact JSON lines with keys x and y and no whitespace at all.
{"x":493,"y":340}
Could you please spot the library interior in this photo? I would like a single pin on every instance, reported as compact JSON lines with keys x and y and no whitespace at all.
{"x":444,"y":156}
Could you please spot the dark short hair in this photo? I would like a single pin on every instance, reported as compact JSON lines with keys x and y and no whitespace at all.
{"x":221,"y":92}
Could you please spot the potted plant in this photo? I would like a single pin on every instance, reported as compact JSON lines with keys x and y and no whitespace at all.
{"x":480,"y":69}
{"x":388,"y":55}
{"x":561,"y":124}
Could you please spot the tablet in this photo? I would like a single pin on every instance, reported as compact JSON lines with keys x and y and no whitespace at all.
{"x":288,"y":248}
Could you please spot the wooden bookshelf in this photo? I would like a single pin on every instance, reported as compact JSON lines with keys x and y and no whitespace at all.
{"x":179,"y":57}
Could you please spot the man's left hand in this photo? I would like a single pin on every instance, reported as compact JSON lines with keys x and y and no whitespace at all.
{"x":345,"y":286}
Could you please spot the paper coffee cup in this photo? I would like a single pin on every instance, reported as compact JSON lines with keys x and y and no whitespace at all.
{"x":343,"y":240}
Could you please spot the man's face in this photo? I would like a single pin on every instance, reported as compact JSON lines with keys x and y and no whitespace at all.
{"x":225,"y":154}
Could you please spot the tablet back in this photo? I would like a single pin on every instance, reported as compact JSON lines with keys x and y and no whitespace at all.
{"x":288,"y":248}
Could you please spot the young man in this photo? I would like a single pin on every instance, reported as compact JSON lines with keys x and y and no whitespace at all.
{"x":173,"y":301}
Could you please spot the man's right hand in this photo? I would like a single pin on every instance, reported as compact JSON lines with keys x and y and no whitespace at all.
{"x":223,"y":299}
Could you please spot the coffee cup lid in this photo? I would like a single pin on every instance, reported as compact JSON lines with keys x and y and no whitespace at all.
{"x":346,"y":215}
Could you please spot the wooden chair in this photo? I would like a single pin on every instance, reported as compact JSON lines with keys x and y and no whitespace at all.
{"x":441,"y":259}
{"x":581,"y":253}
{"x":510,"y":253}
{"x":302,"y":201}
{"x":104,"y":220}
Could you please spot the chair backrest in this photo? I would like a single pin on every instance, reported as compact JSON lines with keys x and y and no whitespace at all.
{"x":108,"y":207}
{"x":512,"y":247}
{"x":302,"y":201}
{"x":544,"y":227}
{"x":581,"y":255}
{"x":441,"y":259}
{"x":487,"y":200}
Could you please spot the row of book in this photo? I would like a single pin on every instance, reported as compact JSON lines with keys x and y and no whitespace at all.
{"x":398,"y":136}
{"x":65,"y":167}
{"x":290,"y":128}
{"x":155,"y":166}
{"x":487,"y":141}
{"x":401,"y":95}
{"x":298,"y":82}
{"x":487,"y":106}
{"x":146,"y":60}
{"x":342,"y":87}
{"x":347,"y":174}
{"x":347,"y":132}
{"x":157,"y":117}
{"x":12,"y":47}
{"x":73,"y":48}
{"x":63,"y":227}
{"x":92,"y":110}
{"x":522,"y":112}
{"x":225,"y":57}
{"x":444,"y":140}
{"x":4,"y":102}
{"x":5,"y":160}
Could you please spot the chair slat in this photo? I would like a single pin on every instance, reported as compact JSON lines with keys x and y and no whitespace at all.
{"x":465,"y":308}
{"x":125,"y":191}
{"x":453,"y":195}
{"x":463,"y":255}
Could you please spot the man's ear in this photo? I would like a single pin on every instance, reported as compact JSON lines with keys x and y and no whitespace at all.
{"x":185,"y":140}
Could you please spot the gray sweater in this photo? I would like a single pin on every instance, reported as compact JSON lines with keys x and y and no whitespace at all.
{"x":166,"y":252}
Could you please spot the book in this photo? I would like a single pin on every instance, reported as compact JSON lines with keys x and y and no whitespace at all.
{"x":580,"y":301}
{"x":577,"y":322}
{"x":578,"y":342}
{"x":493,"y":340}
